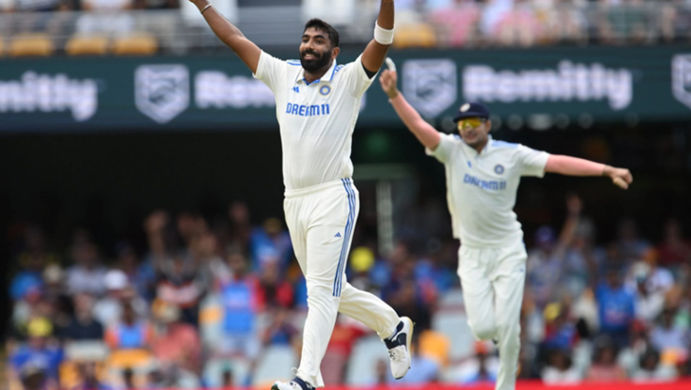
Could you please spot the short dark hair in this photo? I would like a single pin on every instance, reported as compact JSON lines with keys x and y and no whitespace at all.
{"x":322,"y":25}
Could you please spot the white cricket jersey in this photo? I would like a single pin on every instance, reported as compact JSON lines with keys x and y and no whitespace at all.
{"x":316,"y":120}
{"x":481,"y":188}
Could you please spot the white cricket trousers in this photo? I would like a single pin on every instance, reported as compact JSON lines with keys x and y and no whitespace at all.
{"x":492,"y":280}
{"x":321,"y":220}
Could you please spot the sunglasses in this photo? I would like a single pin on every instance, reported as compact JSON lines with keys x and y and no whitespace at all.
{"x":470,"y":123}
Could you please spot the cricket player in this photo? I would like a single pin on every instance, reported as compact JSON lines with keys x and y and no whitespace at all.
{"x":317,"y":104}
{"x":482,"y":177}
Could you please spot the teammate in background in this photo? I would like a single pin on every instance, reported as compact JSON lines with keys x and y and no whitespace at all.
{"x":317,"y":104}
{"x":482,"y":177}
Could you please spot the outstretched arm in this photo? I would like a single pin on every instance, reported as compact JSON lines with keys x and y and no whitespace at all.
{"x":230,"y":35}
{"x":423,"y":131}
{"x":375,"y":52}
{"x":574,"y":166}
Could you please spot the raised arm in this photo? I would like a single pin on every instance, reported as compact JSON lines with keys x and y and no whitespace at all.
{"x":423,"y":131}
{"x":375,"y":52}
{"x":230,"y":35}
{"x":574,"y":166}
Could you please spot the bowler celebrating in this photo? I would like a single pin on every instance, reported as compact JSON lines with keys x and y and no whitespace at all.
{"x":317,"y":104}
{"x":482,"y":177}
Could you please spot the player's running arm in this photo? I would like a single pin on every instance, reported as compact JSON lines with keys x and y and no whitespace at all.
{"x":230,"y":35}
{"x":375,"y":52}
{"x":423,"y":131}
{"x":574,"y":166}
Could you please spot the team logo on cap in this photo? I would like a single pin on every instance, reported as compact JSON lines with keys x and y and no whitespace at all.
{"x":324,"y":90}
{"x":498,"y":169}
{"x":465,"y":107}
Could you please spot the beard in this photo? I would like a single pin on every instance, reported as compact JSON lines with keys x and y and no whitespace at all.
{"x":313,"y":65}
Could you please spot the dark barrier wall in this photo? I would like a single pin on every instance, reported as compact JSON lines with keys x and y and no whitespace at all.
{"x":536,"y":88}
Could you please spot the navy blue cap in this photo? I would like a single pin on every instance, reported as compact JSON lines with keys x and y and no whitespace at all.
{"x":472,"y":110}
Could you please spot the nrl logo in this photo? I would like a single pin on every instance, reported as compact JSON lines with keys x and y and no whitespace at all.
{"x":681,"y":78}
{"x":430,"y":85}
{"x":161,"y":92}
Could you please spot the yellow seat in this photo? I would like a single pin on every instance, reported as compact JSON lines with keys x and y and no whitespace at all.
{"x":415,"y":35}
{"x":435,"y":345}
{"x":33,"y":44}
{"x":86,"y":45}
{"x":136,"y":44}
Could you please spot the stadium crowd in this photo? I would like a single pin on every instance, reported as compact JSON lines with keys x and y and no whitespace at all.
{"x":426,"y":23}
{"x":219,"y":302}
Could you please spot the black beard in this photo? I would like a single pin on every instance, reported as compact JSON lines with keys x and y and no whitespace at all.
{"x":316,"y":64}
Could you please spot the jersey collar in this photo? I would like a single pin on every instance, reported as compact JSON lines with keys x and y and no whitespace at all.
{"x":326,"y":78}
{"x":472,"y":150}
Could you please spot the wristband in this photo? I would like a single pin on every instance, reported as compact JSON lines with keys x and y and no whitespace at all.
{"x":382,"y":35}
{"x":205,"y":8}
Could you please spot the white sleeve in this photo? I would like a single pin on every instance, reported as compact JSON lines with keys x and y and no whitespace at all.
{"x":532,"y":162}
{"x":270,"y":69}
{"x":356,"y":77}
{"x":443,"y":150}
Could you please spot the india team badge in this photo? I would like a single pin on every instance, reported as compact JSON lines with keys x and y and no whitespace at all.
{"x":162,"y":92}
{"x":681,"y":78}
{"x":431,"y":86}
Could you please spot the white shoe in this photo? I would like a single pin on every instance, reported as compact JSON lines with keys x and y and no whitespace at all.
{"x":399,"y":348}
{"x":292,"y":385}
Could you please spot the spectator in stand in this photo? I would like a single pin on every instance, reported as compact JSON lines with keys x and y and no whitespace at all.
{"x":173,"y":341}
{"x":560,"y":331}
{"x":39,"y":359}
{"x":240,"y":229}
{"x":649,"y":304}
{"x":140,"y":275}
{"x":404,"y":293}
{"x":604,"y":367}
{"x":178,"y":284}
{"x":273,"y":290}
{"x":670,"y":338}
{"x":630,"y":246}
{"x":616,"y":308}
{"x":210,"y":266}
{"x":158,"y":232}
{"x":87,"y":274}
{"x":560,"y":369}
{"x":89,"y":378}
{"x":674,"y":249}
{"x":270,"y":243}
{"x":130,"y":332}
{"x":106,"y":17}
{"x":519,"y":26}
{"x":456,"y":21}
{"x":544,"y":266}
{"x":33,"y":259}
{"x":650,"y":370}
{"x":108,"y":309}
{"x":239,"y":302}
{"x":82,"y":325}
{"x":482,"y":367}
